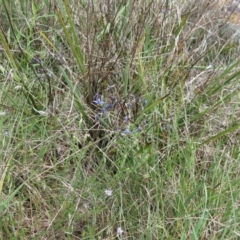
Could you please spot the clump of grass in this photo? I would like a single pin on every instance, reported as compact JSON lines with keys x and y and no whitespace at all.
{"x":119,"y":120}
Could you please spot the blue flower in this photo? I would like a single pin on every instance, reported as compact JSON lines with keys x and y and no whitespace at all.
{"x":96,"y":96}
{"x":108,"y":106}
{"x":139,"y":129}
{"x":126,"y":131}
{"x":99,"y":102}
{"x":97,"y":117}
{"x":103,"y":110}
{"x":126,"y":119}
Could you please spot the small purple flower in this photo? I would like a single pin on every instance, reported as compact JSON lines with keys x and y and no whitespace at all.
{"x":139,"y":129}
{"x":126,"y":131}
{"x":103,"y":110}
{"x":109,"y":106}
{"x":97,"y":117}
{"x":96,"y":96}
{"x":98,"y":102}
{"x":126,"y":119}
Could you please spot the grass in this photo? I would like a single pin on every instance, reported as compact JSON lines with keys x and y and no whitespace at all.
{"x":140,"y":98}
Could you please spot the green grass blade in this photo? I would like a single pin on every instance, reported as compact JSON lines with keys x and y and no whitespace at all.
{"x":77,"y":99}
{"x":71,"y":37}
{"x":221,"y":134}
{"x":8,"y":52}
{"x":4,"y":175}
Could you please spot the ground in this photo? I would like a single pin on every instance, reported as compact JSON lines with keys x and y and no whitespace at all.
{"x":231,"y":10}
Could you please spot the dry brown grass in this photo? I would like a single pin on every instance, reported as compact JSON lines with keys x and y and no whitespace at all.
{"x":165,"y":183}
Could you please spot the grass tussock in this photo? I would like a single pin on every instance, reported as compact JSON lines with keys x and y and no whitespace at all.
{"x":119,"y":120}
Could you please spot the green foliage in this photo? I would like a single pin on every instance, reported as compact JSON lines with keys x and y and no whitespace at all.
{"x":118,"y":116}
